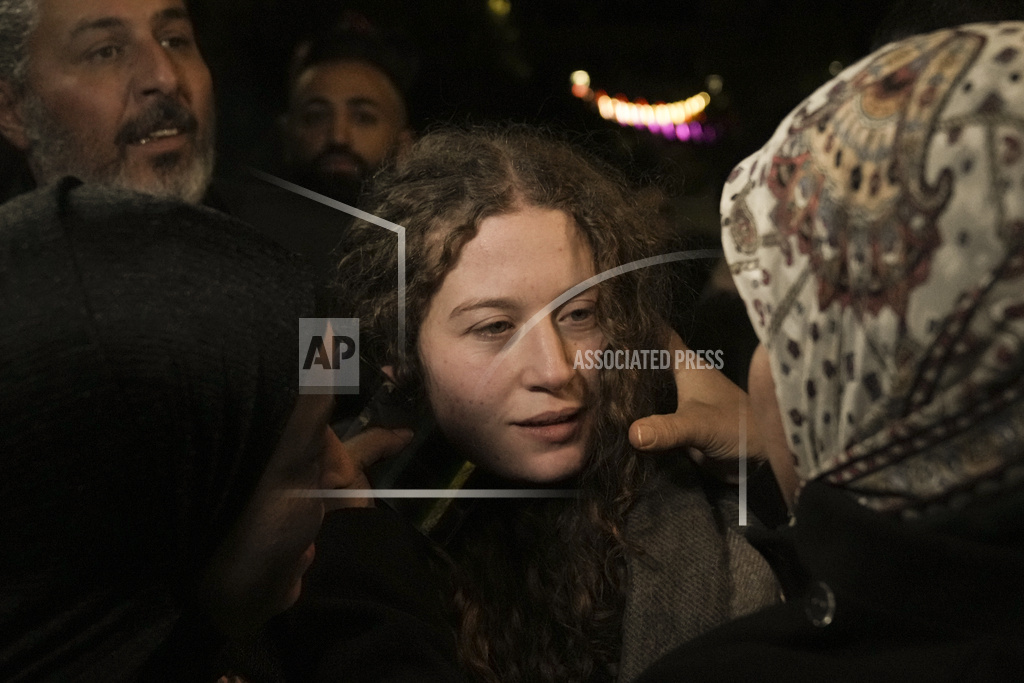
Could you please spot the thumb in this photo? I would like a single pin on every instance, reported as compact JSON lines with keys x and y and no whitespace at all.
{"x":377,"y":443}
{"x":664,"y":432}
{"x":707,"y":428}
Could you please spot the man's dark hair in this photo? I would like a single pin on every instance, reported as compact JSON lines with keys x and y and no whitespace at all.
{"x":364,"y":44}
{"x":17,"y":19}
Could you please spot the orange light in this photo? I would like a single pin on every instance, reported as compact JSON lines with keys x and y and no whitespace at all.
{"x":672,"y":116}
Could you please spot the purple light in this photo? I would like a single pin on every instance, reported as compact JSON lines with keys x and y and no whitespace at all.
{"x":683,"y":132}
{"x":696,"y":132}
{"x":669,"y":131}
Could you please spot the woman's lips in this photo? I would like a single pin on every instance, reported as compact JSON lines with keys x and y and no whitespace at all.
{"x":553,"y":427}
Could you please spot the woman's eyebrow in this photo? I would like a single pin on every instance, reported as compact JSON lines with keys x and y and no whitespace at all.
{"x":503,"y":303}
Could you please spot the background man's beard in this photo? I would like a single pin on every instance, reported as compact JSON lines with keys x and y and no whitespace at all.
{"x":344,"y":188}
{"x":54,"y":152}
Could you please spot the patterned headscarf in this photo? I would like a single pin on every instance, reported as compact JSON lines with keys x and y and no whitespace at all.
{"x":878,"y":241}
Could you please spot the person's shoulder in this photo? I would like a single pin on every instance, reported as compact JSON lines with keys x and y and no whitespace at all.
{"x":674,"y":496}
{"x":69,"y":198}
{"x":301,"y":221}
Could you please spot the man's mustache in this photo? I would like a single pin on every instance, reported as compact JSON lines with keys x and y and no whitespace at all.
{"x":165,"y":112}
{"x":345,"y":151}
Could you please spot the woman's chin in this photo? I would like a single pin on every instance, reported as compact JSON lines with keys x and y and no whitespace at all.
{"x":539,"y":469}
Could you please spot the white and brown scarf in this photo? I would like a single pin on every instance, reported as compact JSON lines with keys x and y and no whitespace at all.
{"x":878,"y":241}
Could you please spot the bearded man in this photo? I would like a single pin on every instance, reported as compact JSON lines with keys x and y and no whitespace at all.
{"x":114,"y":92}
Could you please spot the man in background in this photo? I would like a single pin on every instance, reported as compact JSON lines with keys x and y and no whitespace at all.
{"x":346,"y":113}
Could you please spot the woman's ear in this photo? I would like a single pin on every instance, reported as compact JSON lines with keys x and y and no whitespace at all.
{"x":389,"y":370}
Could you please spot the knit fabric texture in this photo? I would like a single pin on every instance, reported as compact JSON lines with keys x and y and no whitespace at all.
{"x":147,"y":368}
{"x":694,"y":569}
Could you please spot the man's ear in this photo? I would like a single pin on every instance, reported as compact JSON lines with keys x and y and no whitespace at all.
{"x":12,"y":123}
{"x":389,"y":370}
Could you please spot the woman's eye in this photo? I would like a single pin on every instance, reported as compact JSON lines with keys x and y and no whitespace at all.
{"x":495,"y":329}
{"x":579,"y":316}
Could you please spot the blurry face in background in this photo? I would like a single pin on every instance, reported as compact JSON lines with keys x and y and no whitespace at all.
{"x":531,"y":418}
{"x":345,"y":119}
{"x":258,"y":569}
{"x":117,"y":93}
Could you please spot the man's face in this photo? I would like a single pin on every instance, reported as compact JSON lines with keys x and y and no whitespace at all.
{"x":345,"y":119}
{"x":117,"y":93}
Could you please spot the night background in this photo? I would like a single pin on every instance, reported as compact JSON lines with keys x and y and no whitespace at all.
{"x":482,"y":61}
{"x":492,"y":60}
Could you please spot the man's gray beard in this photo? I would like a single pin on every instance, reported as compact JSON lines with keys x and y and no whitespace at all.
{"x":54,"y":153}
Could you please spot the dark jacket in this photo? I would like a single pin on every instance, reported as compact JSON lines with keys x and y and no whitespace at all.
{"x":870,"y":598}
{"x":373,"y":608}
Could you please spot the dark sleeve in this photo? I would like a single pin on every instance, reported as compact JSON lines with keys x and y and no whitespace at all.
{"x":871,"y":598}
{"x":373,"y":606}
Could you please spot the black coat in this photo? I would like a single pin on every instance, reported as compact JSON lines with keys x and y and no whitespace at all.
{"x":374,"y":606}
{"x":871,"y":598}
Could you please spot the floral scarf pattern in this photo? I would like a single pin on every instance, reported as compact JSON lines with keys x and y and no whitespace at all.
{"x":878,"y":241}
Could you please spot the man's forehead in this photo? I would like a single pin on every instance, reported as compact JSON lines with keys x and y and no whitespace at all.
{"x":345,"y":79}
{"x":70,"y":16}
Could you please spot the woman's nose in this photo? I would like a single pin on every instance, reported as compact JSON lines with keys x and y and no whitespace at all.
{"x":548,"y":365}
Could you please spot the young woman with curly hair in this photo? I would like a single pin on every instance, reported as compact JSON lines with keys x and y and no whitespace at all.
{"x":502,"y":228}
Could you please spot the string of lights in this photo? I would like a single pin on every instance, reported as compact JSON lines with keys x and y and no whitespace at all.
{"x":682,"y":120}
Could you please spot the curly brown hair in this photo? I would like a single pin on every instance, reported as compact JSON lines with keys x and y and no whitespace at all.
{"x":541,"y":584}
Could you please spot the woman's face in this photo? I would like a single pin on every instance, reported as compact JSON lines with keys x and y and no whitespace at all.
{"x":525,"y":413}
{"x":257,"y":571}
